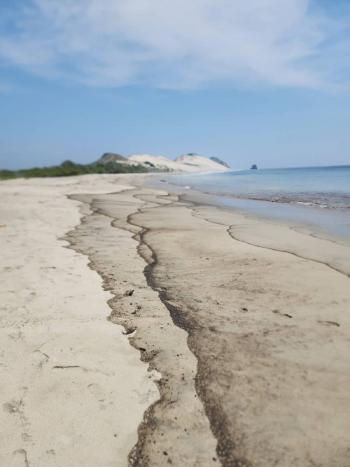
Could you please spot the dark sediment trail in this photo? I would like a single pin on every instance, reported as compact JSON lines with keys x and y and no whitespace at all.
{"x":175,"y":429}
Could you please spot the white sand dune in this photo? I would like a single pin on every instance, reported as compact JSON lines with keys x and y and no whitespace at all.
{"x":185,"y":163}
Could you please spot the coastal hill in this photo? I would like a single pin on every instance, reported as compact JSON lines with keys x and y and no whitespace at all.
{"x":186,"y":163}
{"x":108,"y":157}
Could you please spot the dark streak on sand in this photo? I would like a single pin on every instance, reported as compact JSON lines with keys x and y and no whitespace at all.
{"x":138,"y":456}
{"x":217,"y":416}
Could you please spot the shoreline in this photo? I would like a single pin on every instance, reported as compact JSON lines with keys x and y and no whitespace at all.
{"x":244,"y":330}
{"x":282,"y":237}
{"x":324,"y":220}
{"x":338,"y":245}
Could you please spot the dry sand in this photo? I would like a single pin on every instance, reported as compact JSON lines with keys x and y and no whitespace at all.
{"x":72,"y":391}
{"x":247,"y":322}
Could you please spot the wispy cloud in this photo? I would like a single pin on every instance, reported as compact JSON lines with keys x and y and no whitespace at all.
{"x":173,"y":43}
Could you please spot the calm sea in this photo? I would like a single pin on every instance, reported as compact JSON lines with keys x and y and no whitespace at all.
{"x":313,"y":195}
{"x":319,"y":186}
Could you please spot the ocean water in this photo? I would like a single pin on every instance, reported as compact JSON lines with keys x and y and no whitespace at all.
{"x":324,"y":187}
{"x":318,"y":196}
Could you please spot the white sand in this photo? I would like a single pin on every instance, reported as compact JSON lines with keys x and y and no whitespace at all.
{"x":73,"y":391}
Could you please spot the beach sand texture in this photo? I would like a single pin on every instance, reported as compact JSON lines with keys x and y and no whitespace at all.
{"x":72,"y":389}
{"x":242,"y":327}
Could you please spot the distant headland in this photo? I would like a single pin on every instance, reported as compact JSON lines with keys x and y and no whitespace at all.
{"x":114,"y":163}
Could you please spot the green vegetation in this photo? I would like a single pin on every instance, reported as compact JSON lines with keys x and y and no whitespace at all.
{"x":7,"y":174}
{"x":68,"y":168}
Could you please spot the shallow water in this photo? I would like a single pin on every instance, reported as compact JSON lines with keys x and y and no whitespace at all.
{"x":327,"y":221}
{"x":318,"y":197}
{"x":319,"y":186}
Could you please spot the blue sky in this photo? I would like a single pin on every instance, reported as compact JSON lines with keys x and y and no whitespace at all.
{"x":266,"y":81}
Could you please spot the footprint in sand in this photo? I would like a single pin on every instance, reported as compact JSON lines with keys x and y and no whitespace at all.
{"x":20,"y":458}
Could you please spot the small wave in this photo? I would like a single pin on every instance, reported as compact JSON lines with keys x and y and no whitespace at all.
{"x":306,"y":203}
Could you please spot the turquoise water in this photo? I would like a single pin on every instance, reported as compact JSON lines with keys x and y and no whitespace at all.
{"x":316,"y":196}
{"x":325,"y":187}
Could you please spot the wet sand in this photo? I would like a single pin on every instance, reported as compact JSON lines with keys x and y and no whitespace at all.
{"x":245,"y":322}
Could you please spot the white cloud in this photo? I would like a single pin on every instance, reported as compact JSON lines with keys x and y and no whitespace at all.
{"x":170,"y":43}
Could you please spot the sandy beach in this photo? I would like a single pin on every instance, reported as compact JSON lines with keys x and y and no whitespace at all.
{"x":147,"y":328}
